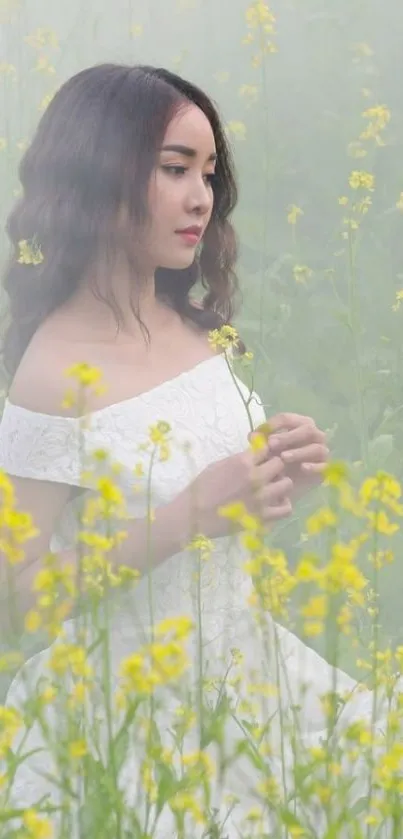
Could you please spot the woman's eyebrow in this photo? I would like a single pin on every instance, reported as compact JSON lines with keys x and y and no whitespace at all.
{"x":187,"y":151}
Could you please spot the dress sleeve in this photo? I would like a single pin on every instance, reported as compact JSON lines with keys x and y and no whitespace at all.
{"x":40,"y":446}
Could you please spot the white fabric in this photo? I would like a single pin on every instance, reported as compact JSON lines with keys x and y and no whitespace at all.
{"x":204,"y":409}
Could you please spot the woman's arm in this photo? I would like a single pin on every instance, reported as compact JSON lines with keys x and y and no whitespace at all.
{"x":146,"y":543}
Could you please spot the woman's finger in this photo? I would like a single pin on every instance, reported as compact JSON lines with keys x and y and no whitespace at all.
{"x":304,"y":435}
{"x":314,"y":468}
{"x":280,"y":512}
{"x":315,"y":453}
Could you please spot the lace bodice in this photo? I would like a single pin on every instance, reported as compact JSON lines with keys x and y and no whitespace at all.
{"x":203,"y":407}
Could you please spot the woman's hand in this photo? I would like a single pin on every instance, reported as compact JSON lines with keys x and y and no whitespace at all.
{"x":250,"y":477}
{"x":301,"y":446}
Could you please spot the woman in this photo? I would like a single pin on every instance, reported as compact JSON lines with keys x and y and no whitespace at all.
{"x":128,"y":188}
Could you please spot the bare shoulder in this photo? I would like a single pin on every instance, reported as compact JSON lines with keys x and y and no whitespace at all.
{"x":41,"y":382}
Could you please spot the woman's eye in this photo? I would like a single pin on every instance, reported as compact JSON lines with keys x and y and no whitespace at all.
{"x":175,"y":170}
{"x":180,"y":170}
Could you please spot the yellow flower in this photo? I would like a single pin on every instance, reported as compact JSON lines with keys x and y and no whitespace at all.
{"x":383,"y":487}
{"x":77,"y":749}
{"x":224,"y":338}
{"x":185,"y":720}
{"x":307,"y":570}
{"x":136,"y":30}
{"x":179,"y":627}
{"x":29,"y":252}
{"x":359,"y":732}
{"x":317,"y":607}
{"x":323,"y":518}
{"x":399,"y":202}
{"x":109,"y":492}
{"x":237,"y":129}
{"x":10,"y":661}
{"x":70,"y":658}
{"x":362,"y":48}
{"x":33,"y":621}
{"x":38,"y":827}
{"x":10,"y":724}
{"x":148,"y":780}
{"x":48,"y":694}
{"x":78,"y":694}
{"x":260,"y":18}
{"x":335,"y":474}
{"x":293,"y":214}
{"x":381,"y":523}
{"x":259,"y":13}
{"x":158,"y":663}
{"x":378,"y":118}
{"x":84,"y":374}
{"x":250,"y":92}
{"x":352,"y":224}
{"x":269,"y":787}
{"x":237,"y":656}
{"x":313,"y":628}
{"x":272,"y":581}
{"x":302,"y":273}
{"x":42,"y":37}
{"x":362,"y":180}
{"x":200,"y":765}
{"x":16,"y":527}
{"x":258,"y":440}
{"x":43,"y":65}
{"x":159,"y":437}
{"x":399,"y":298}
{"x":185,"y":802}
{"x":202,"y":544}
{"x":45,"y":101}
{"x":381,"y":558}
{"x":344,"y":619}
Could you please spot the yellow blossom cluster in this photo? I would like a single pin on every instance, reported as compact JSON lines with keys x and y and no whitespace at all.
{"x":10,"y":724}
{"x":16,"y":527}
{"x":160,"y":662}
{"x":261,"y":24}
{"x":30,"y":252}
{"x":88,"y":379}
{"x":55,"y":589}
{"x":293,"y":214}
{"x":41,"y":38}
{"x":224,"y":338}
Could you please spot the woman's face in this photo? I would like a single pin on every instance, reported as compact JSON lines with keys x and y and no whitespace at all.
{"x":180,"y":191}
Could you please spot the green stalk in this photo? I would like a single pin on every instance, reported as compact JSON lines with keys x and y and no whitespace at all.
{"x":108,"y":706}
{"x":200,"y":654}
{"x":245,"y":402}
{"x":151,"y":605}
{"x":354,"y":325}
{"x":375,"y":640}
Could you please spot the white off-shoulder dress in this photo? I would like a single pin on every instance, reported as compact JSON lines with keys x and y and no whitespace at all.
{"x":208,"y":422}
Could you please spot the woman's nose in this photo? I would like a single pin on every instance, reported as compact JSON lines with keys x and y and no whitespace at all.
{"x":200,"y":197}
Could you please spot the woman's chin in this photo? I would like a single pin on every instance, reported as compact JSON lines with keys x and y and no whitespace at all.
{"x":179,"y":262}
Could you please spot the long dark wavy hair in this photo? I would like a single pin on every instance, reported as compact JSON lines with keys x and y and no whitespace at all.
{"x":95,"y":149}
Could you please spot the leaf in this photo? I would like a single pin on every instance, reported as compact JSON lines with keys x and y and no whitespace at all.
{"x":380,"y":449}
{"x":289,"y":819}
{"x":360,"y":806}
{"x":168,"y":784}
